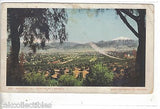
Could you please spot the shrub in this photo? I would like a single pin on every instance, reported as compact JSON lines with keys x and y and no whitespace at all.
{"x":38,"y":79}
{"x":52,"y":82}
{"x":99,"y":76}
{"x":68,"y":80}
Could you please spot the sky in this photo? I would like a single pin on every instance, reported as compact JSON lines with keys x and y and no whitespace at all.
{"x":85,"y":26}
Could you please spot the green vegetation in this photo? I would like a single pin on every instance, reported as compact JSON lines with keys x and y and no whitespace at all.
{"x":75,"y":69}
{"x":69,"y":80}
{"x":99,"y":76}
{"x":38,"y":79}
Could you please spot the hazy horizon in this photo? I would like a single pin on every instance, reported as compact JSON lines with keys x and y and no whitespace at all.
{"x":57,"y":41}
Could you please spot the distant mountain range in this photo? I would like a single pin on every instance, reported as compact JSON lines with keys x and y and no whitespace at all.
{"x":68,"y":45}
{"x":121,"y":43}
{"x":118,"y":43}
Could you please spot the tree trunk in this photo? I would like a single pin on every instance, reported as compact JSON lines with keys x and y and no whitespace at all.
{"x":15,"y":42}
{"x":140,"y":63}
{"x":140,"y":58}
{"x":13,"y":74}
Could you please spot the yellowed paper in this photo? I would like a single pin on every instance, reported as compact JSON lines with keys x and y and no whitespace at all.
{"x":148,"y":88}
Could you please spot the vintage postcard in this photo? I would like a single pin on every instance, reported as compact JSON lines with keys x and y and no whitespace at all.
{"x":77,"y":48}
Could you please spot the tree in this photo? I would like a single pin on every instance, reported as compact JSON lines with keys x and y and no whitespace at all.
{"x":33,"y":24}
{"x":138,"y":15}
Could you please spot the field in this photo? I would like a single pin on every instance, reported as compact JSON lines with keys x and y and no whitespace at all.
{"x":77,"y":69}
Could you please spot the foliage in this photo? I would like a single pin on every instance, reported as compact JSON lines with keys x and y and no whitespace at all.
{"x":70,"y":72}
{"x":99,"y":76}
{"x":69,"y":80}
{"x":33,"y":24}
{"x":52,"y":82}
{"x":80,"y":76}
{"x":38,"y":79}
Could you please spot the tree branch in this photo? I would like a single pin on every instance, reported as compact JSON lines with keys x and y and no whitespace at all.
{"x":129,"y":14}
{"x":127,"y":24}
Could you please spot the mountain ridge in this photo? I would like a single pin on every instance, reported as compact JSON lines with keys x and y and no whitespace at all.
{"x":120,"y":43}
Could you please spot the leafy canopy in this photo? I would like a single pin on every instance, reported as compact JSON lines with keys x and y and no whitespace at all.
{"x":37,"y":25}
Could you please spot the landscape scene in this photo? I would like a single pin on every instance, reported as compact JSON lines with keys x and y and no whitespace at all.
{"x":75,"y":47}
